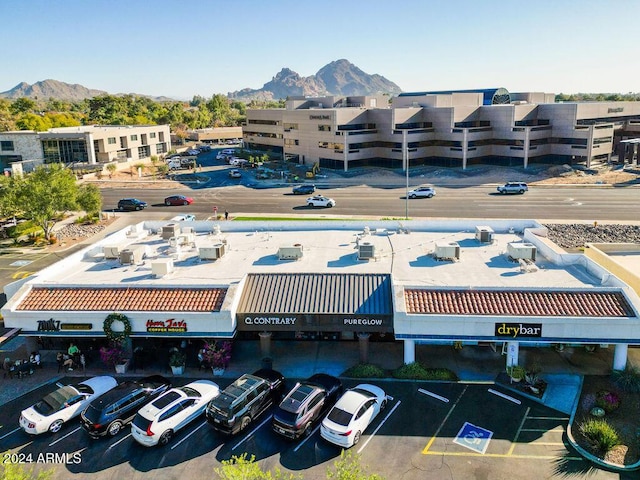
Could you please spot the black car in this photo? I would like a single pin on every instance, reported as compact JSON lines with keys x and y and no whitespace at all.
{"x":305,"y":405}
{"x":305,"y":189}
{"x":131,"y":204}
{"x":107,"y":414}
{"x":244,"y":401}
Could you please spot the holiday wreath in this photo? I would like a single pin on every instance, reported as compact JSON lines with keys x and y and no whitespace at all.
{"x":116,"y":337}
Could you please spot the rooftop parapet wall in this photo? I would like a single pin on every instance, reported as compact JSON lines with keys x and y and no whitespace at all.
{"x":602,"y":255}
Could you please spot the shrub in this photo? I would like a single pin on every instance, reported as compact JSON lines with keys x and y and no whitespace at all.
{"x":516,"y":372}
{"x":602,"y":436}
{"x":417,"y":371}
{"x":112,"y":355}
{"x":23,"y":228}
{"x":608,"y":401}
{"x":364,"y":370}
{"x":628,"y":380}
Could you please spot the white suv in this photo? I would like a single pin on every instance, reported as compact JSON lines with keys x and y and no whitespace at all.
{"x":320,"y":201}
{"x":422,"y":192}
{"x":513,"y":187}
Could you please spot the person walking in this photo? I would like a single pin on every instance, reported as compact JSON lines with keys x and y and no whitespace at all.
{"x":226,"y":215}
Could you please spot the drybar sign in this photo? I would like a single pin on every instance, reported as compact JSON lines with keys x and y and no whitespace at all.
{"x":314,"y":322}
{"x":518,"y":330}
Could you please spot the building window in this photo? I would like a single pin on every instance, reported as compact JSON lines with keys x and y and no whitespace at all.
{"x":161,"y":148}
{"x":324,"y":128}
{"x":144,"y":151}
{"x":65,"y":151}
{"x":134,"y":137}
{"x":6,"y":145}
{"x":111,"y":141}
{"x":152,"y":135}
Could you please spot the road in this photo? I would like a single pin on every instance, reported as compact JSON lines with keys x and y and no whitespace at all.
{"x":599,"y":203}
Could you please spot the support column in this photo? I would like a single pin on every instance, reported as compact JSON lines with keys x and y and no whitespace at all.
{"x":363,"y":341}
{"x":409,"y":351}
{"x":512,"y":353}
{"x":620,"y":356}
{"x":465,"y":146}
{"x":265,"y":344}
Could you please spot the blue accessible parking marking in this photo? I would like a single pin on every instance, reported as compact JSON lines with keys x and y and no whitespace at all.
{"x":473,"y":437}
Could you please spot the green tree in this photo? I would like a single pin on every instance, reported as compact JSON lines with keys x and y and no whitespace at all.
{"x":243,"y":468}
{"x":32,"y":121}
{"x":162,"y":169}
{"x":23,"y":105}
{"x":349,"y":467}
{"x":89,"y":199}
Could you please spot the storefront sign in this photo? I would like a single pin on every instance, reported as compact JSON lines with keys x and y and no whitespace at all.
{"x":166,"y":326}
{"x":50,"y":325}
{"x":319,"y":117}
{"x":76,"y":326}
{"x":314,"y":322}
{"x":615,"y":110}
{"x":518,"y":330}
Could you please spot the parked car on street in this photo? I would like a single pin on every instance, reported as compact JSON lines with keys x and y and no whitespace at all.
{"x":427,"y":192}
{"x":320,"y":201}
{"x":304,"y":189}
{"x":178,"y":200}
{"x":245,"y":400}
{"x":305,"y":404}
{"x":109,"y":413}
{"x":65,"y":403}
{"x":157,"y":422}
{"x":513,"y":187}
{"x":131,"y":204}
{"x":187,"y":217}
{"x":235,"y":173}
{"x":193,"y":151}
{"x":352,"y":414}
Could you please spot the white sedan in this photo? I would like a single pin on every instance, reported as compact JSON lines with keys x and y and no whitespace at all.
{"x":352,"y":414}
{"x":50,"y":413}
{"x":422,"y":192}
{"x":320,"y":201}
{"x":156,"y":423}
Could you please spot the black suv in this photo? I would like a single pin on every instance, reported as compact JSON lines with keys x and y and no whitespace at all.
{"x":107,"y":414}
{"x":305,"y":405}
{"x":131,"y":204}
{"x":245,"y":400}
{"x":304,"y":189}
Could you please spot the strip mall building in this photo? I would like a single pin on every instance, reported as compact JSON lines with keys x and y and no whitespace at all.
{"x":423,"y":283}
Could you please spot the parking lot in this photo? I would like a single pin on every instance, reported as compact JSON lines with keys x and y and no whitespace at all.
{"x":428,"y":430}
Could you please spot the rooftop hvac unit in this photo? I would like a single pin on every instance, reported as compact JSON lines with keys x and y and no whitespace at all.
{"x":484,"y":234}
{"x":447,"y":250}
{"x":132,"y":255}
{"x":170,"y":230}
{"x":213,"y":252}
{"x":135,"y":231}
{"x":112,"y":251}
{"x":293,"y":252}
{"x":526,"y":251}
{"x":188,"y":230}
{"x":366,"y":251}
{"x":162,"y":267}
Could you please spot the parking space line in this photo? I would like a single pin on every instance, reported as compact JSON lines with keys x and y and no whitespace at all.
{"x":549,"y":418}
{"x":559,"y":430}
{"x":62,"y":438}
{"x":378,"y":428}
{"x":434,"y":395}
{"x":251,"y":433}
{"x":435,"y":435}
{"x":515,"y":439}
{"x":305,"y":440}
{"x":505,"y":396}
{"x":549,"y":444}
{"x":191,"y":433}
{"x":501,"y":455}
{"x":12,"y":431}
{"x":119,"y":441}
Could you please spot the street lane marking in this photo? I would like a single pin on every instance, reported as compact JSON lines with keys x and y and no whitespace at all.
{"x":515,"y":439}
{"x":62,"y":438}
{"x":12,"y":431}
{"x":505,"y":396}
{"x":435,"y":435}
{"x":119,"y":441}
{"x":191,"y":433}
{"x":549,"y":418}
{"x":558,"y":430}
{"x":251,"y":433}
{"x":308,"y":437}
{"x":434,"y":395}
{"x":378,"y":428}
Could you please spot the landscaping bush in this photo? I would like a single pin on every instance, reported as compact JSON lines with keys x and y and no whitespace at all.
{"x":608,"y":401}
{"x":628,"y":380}
{"x":600,"y":434}
{"x":364,"y":370}
{"x":23,"y":228}
{"x":417,"y":371}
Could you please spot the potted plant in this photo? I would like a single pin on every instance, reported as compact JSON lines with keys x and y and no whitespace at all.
{"x":114,"y":355}
{"x":516,"y":372}
{"x":216,"y":355}
{"x":177,"y":361}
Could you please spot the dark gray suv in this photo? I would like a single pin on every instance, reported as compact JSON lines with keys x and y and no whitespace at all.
{"x":131,"y":204}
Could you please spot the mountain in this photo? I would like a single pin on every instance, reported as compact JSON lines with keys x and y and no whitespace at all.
{"x":340,"y":77}
{"x":46,"y":89}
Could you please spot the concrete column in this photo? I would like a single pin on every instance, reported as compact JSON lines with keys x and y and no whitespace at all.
{"x":512,"y":353}
{"x":620,"y":356}
{"x":465,"y":145}
{"x":265,"y":344}
{"x":527,"y":145}
{"x":409,"y":351}
{"x":363,"y":341}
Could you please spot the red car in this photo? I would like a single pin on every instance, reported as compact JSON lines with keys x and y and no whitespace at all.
{"x":178,"y":200}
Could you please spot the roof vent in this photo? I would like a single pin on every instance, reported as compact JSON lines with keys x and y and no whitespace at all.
{"x":216,"y":230}
{"x":525,"y":251}
{"x":212,"y":252}
{"x":132,"y":255}
{"x":293,"y":252}
{"x":366,"y":231}
{"x":447,"y":251}
{"x":112,"y":251}
{"x":366,"y":251}
{"x":162,"y":267}
{"x":170,"y":230}
{"x":484,"y":234}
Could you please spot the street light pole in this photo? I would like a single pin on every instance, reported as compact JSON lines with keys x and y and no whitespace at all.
{"x":405,"y":160}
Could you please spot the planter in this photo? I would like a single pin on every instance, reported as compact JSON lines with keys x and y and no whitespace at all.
{"x":217,"y":372}
{"x":179,"y":370}
{"x":122,"y":367}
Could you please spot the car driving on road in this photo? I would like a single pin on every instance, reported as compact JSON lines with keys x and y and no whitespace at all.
{"x":427,"y":192}
{"x":131,"y":204}
{"x":178,"y":200}
{"x":513,"y":187}
{"x":320,"y":201}
{"x":304,"y":189}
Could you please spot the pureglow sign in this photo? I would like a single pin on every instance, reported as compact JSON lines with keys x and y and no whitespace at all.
{"x":314,"y":322}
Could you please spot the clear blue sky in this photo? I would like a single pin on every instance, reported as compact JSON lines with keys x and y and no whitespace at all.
{"x":198,"y":47}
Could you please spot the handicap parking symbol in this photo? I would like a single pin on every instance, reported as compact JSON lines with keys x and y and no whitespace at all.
{"x":473,"y":437}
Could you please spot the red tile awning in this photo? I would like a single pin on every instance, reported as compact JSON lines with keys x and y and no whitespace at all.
{"x":152,"y":299}
{"x":517,"y":303}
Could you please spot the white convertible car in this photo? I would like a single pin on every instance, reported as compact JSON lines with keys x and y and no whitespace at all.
{"x":50,"y":413}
